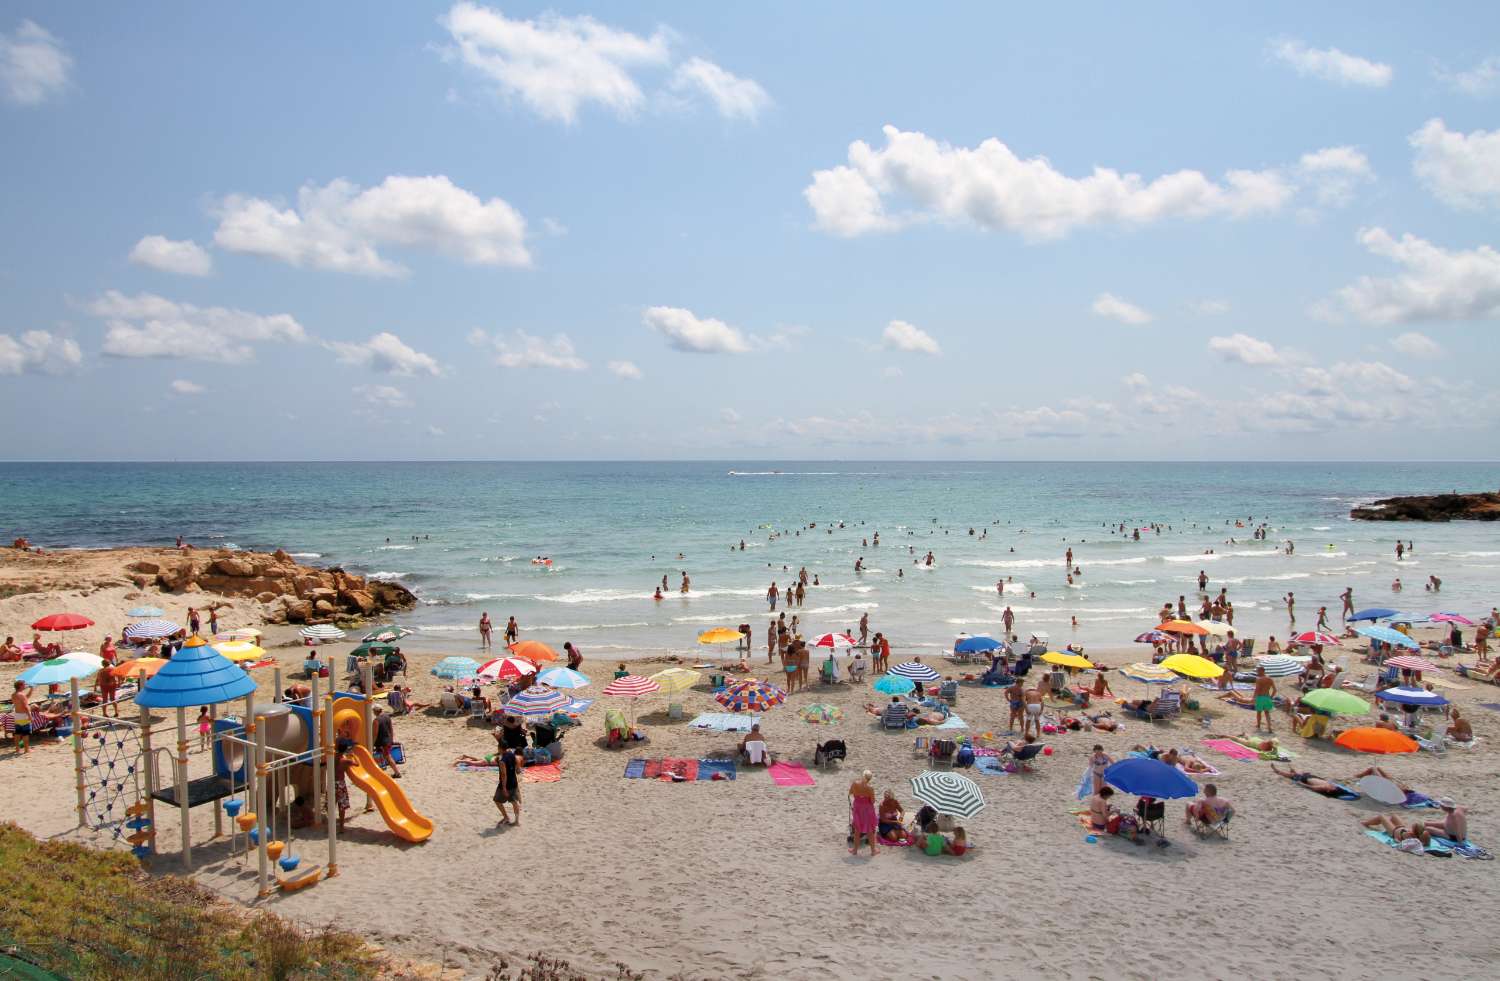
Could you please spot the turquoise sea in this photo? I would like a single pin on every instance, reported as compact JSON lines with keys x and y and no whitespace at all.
{"x":613,"y":530}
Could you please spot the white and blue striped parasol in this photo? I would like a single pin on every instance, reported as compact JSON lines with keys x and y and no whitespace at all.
{"x":151,"y":629}
{"x":1279,"y":665}
{"x":916,"y":671}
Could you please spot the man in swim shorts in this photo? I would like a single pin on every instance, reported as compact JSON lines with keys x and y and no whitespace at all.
{"x":1017,"y":695}
{"x":1033,"y":699}
{"x":1265,"y":699}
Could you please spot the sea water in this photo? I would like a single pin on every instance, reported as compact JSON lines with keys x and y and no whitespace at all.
{"x":463,"y":536}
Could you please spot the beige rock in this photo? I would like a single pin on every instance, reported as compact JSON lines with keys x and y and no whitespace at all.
{"x":324,"y":606}
{"x":358,"y":599}
{"x":232,"y":566}
{"x":149,"y":568}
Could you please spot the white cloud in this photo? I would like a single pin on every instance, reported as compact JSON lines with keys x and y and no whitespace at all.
{"x":685,"y":331}
{"x":1109,"y":305}
{"x":554,"y":227}
{"x":1435,"y":284}
{"x":729,"y":417}
{"x":625,"y":369}
{"x":1210,"y":308}
{"x":1372,"y":374}
{"x":435,"y":431}
{"x":522,"y":350}
{"x":1331,"y":64}
{"x":184,"y":387}
{"x":1481,"y":80}
{"x":902,"y":336}
{"x":339,"y":226}
{"x":1334,"y":172}
{"x":1415,"y":345}
{"x":1461,"y":169}
{"x":151,"y":326}
{"x":38,"y":351}
{"x":186,"y":258}
{"x":991,"y":187}
{"x":385,"y":396}
{"x":33,"y":65}
{"x":1245,"y":349}
{"x":732,"y":96}
{"x":387,"y":353}
{"x":556,"y":64}
{"x":1171,"y":400}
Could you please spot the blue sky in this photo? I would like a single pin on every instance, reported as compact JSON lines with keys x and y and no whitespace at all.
{"x":458,"y":231}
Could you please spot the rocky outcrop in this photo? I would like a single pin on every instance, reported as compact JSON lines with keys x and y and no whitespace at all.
{"x":1434,"y":507}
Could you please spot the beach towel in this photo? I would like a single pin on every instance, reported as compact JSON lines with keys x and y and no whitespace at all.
{"x":725,"y":769}
{"x":723,"y":722}
{"x":990,"y":765}
{"x":1345,"y":793}
{"x":1492,"y":706}
{"x":577,"y":706}
{"x":1086,"y":785}
{"x":952,"y":722}
{"x":672,"y":769}
{"x":1232,"y":686}
{"x":790,"y":775}
{"x":1463,"y":849}
{"x":543,"y":773}
{"x":635,"y":769}
{"x":1232,"y":749}
{"x":1433,"y":849}
{"x":1416,"y":801}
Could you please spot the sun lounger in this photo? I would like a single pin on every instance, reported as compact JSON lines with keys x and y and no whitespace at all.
{"x":1167,"y":705}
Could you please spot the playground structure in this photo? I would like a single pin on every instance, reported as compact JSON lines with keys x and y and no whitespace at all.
{"x":276,"y":757}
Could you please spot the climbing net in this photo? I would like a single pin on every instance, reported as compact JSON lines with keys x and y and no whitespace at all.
{"x":111,"y":777}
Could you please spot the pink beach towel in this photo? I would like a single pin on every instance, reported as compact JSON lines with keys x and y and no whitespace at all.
{"x":790,"y":775}
{"x":1231,"y":749}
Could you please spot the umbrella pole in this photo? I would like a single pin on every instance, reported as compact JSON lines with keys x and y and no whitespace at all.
{"x":77,"y":713}
{"x":315,"y":704}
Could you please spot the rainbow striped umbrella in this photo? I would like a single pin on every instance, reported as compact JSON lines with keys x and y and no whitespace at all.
{"x":751,"y":696}
{"x":537,"y":701}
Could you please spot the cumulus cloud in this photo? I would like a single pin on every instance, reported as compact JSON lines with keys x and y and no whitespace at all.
{"x":385,"y":352}
{"x":1111,"y":306}
{"x":732,"y":96}
{"x":1245,"y":349}
{"x":1334,"y":172}
{"x":625,"y":369}
{"x":1461,"y":169}
{"x":38,"y":352}
{"x":186,"y":258}
{"x":686,"y":331}
{"x":1415,"y":345}
{"x":184,"y":387}
{"x":519,"y":349}
{"x":33,"y":65}
{"x":902,"y":336}
{"x":340,"y":227}
{"x":151,"y":326}
{"x":1171,"y":400}
{"x":1481,"y":80}
{"x":384,"y":396}
{"x":1434,"y":284}
{"x":989,"y":186}
{"x":1331,"y":64}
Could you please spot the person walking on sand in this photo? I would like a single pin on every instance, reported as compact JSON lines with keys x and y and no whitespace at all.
{"x":508,"y":783}
{"x":1265,"y":699}
{"x":1033,"y":700}
{"x":1347,"y":598}
{"x":485,"y":627}
{"x":863,"y":820}
{"x":1323,"y":619}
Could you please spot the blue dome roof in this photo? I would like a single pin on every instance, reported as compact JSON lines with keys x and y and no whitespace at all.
{"x":196,"y":675}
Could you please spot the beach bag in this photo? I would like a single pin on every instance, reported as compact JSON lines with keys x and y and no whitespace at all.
{"x":397,"y":754}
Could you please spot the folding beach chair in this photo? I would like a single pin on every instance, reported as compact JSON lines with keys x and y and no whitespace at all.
{"x":1218,"y":829}
{"x":942,"y":753}
{"x":948,"y":692}
{"x":1152,"y":814}
{"x":894,"y":716}
{"x":1166,"y":705}
{"x":1021,"y":758}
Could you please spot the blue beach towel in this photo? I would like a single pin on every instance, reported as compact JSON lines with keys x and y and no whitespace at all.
{"x":707,"y":769}
{"x":952,"y":722}
{"x":1464,"y":849}
{"x":990,"y":765}
{"x":635,"y":769}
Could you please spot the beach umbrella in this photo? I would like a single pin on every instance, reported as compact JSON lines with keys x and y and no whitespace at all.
{"x":1067,"y":660}
{"x":1149,"y":778}
{"x":631,"y":686}
{"x":1311,"y":637}
{"x":385,"y":635}
{"x":455,"y":667}
{"x":1373,"y":613}
{"x":1151,"y":637}
{"x":1149,"y":674}
{"x":1387,"y":636}
{"x":196,"y":675}
{"x":368,"y":649}
{"x":835,"y":641}
{"x":894,"y":684}
{"x":56,"y":672}
{"x":144,"y":611}
{"x":536,"y":702}
{"x":1410,"y":662}
{"x":141,"y":668}
{"x":1192,"y":666}
{"x":950,"y":793}
{"x":977,"y":645}
{"x":720,"y":635}
{"x":751,"y":696}
{"x":821,"y":715}
{"x":1410,"y":618}
{"x":1184,"y":627}
{"x":563,"y":678}
{"x":151,"y":629}
{"x":533,"y":650}
{"x":915,"y":670}
{"x":246,"y":633}
{"x":62,"y":621}
{"x":505,"y":667}
{"x":322,"y":632}
{"x":240,"y":651}
{"x":1279,"y":665}
{"x":1336,"y":702}
{"x":84,"y":657}
{"x":674,"y":681}
{"x":1217,"y":628}
{"x":1371,"y":740}
{"x":1451,"y":618}
{"x":1411,"y":696}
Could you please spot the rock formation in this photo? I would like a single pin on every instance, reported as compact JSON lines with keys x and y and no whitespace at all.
{"x":1434,"y":507}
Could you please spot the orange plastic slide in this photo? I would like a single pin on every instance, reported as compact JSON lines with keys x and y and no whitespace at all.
{"x":400,"y":816}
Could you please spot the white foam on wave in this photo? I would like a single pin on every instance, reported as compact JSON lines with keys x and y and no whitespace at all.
{"x":713,"y":618}
{"x":445,"y":628}
{"x":1322,"y":527}
{"x":1207,"y":557}
{"x":1010,"y":563}
{"x":592,"y":596}
{"x":386,"y":575}
{"x":1137,"y":560}
{"x":1133,"y":582}
{"x":498,"y":558}
{"x":486,"y":596}
{"x":306,"y":555}
{"x":569,"y":628}
{"x":1017,"y":587}
{"x":396,"y":548}
{"x":845,"y":608}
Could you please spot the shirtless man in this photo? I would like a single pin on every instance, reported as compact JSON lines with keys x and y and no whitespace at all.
{"x":1265,"y":699}
{"x":1455,"y":823}
{"x":1459,"y":729}
{"x":1317,"y":784}
{"x":1291,"y":607}
{"x":771,"y":642}
{"x":864,"y":629}
{"x":772,"y":595}
{"x":1033,"y":700}
{"x":1347,"y":598}
{"x":1016,"y":693}
{"x":512,"y":631}
{"x":687,"y":584}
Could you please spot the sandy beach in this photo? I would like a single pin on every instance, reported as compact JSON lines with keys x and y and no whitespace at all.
{"x":749,"y":879}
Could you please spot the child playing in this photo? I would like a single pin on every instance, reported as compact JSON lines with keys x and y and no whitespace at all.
{"x":205,"y":728}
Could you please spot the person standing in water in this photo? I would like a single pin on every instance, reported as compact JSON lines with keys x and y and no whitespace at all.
{"x":485,"y":628}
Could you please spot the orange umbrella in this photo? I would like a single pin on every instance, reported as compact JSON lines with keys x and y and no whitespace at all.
{"x":141,"y":667}
{"x":1182,"y":627}
{"x":1368,"y":739}
{"x":533,"y":650}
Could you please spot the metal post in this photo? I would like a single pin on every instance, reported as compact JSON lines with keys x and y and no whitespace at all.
{"x":329,"y":795}
{"x":78,"y":748}
{"x":276,"y":681}
{"x":260,"y":811}
{"x":148,"y":773}
{"x":182,"y":790}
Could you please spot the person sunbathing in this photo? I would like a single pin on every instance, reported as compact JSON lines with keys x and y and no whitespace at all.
{"x":1455,"y":823}
{"x":1459,"y":729}
{"x":1314,"y":783}
{"x":1249,"y":742}
{"x":1392,"y":826}
{"x":1103,"y":722}
{"x":1238,"y":698}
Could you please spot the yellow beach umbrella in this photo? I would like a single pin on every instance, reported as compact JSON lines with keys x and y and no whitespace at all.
{"x":1067,"y":660}
{"x":240,"y":650}
{"x":719,"y":635}
{"x":674,"y":680}
{"x":1192,"y":665}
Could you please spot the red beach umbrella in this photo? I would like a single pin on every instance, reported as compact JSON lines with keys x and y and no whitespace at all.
{"x":62,"y":621}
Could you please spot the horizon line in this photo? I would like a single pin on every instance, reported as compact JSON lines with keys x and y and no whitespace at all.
{"x":743,"y":460}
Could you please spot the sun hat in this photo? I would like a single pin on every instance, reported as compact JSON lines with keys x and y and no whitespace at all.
{"x":1447,"y":803}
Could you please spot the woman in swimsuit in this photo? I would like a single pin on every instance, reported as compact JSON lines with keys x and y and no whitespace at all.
{"x":1393,"y":827}
{"x":891,"y":827}
{"x":862,"y":805}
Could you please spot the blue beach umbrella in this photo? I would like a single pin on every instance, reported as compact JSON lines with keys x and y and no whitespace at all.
{"x":455,"y":667}
{"x":1410,"y":618}
{"x":977,"y":645}
{"x":1373,"y":613}
{"x":916,"y":671}
{"x":57,"y":671}
{"x":151,"y":629}
{"x":1411,"y":696}
{"x":145,"y":611}
{"x":196,"y":675}
{"x":894,"y":684}
{"x":563,"y":678}
{"x":1149,"y":778}
{"x":1386,"y":635}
